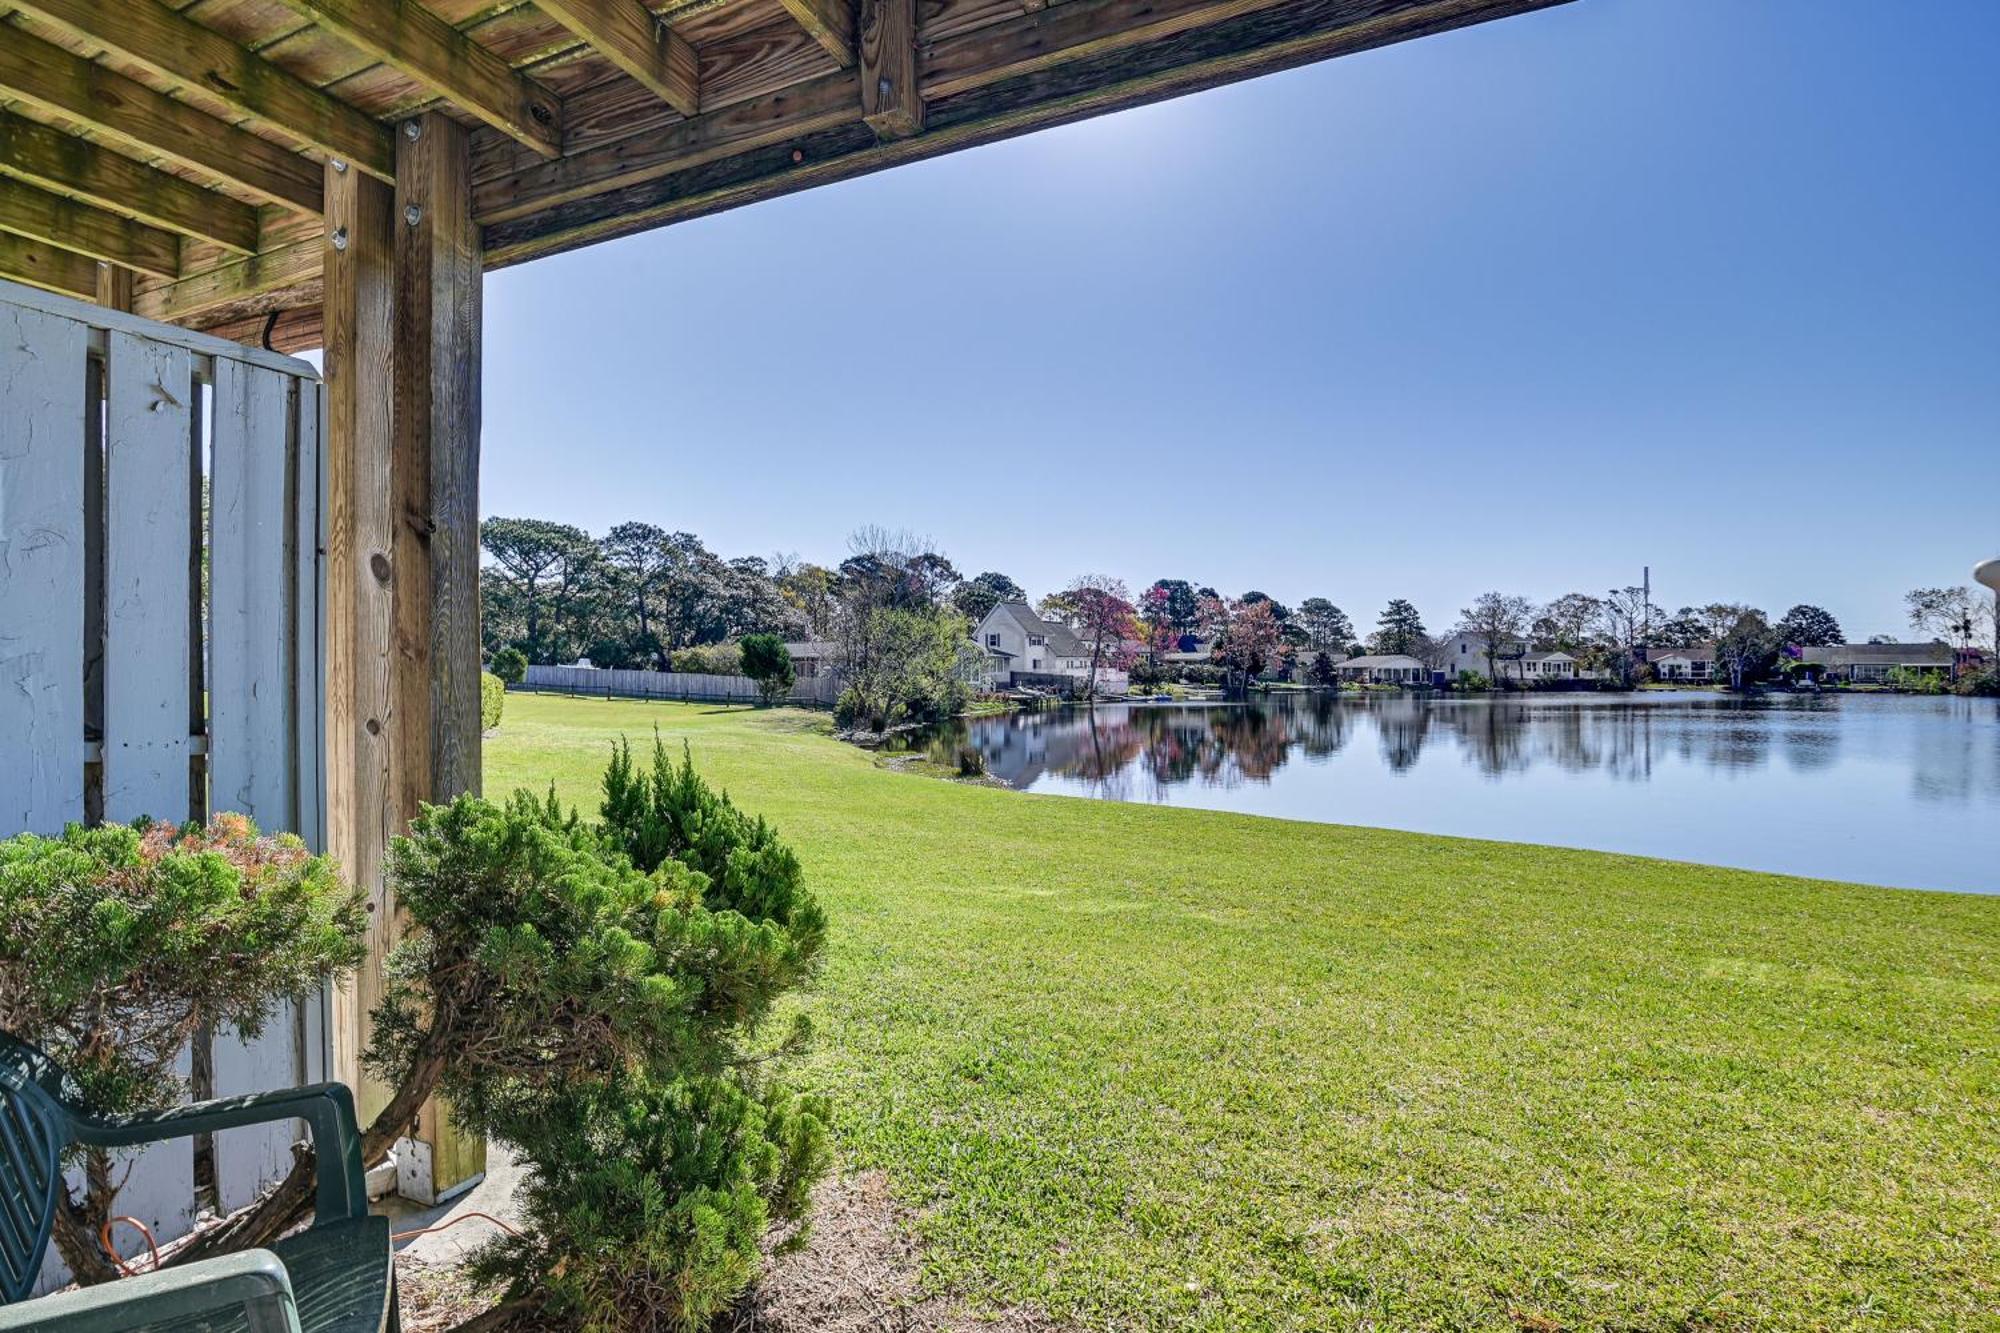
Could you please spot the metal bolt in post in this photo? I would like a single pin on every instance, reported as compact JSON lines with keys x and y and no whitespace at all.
{"x":413,"y":130}
{"x":340,"y":238}
{"x":413,"y":214}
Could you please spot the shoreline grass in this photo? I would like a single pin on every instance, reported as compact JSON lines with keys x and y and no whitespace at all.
{"x":1178,"y":1069}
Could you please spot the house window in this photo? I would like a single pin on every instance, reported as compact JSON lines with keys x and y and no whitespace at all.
{"x":993,"y":641}
{"x":1036,"y":640}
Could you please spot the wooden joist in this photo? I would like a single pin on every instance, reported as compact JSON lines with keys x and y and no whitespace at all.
{"x":47,"y":76}
{"x":49,"y":267}
{"x":890,"y":100}
{"x":1029,"y":92}
{"x":271,"y":270}
{"x":981,"y":83}
{"x":179,"y":48}
{"x":34,"y":152}
{"x":55,"y":219}
{"x":510,"y":183}
{"x":409,"y":37}
{"x":626,"y":33}
{"x":828,"y":22}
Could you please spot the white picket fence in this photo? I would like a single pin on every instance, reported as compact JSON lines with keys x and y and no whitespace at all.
{"x":123,"y":690}
{"x":694,"y":686}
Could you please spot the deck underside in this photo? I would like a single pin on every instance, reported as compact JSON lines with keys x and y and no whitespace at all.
{"x":185,"y":144}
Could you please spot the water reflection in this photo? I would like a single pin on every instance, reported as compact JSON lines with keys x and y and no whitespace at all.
{"x":1694,"y":776}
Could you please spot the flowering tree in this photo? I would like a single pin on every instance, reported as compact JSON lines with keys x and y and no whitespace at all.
{"x":1246,"y":634}
{"x":1159,"y":624}
{"x":1103,"y":616}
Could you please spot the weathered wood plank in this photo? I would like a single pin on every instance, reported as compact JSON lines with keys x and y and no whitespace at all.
{"x":49,"y":77}
{"x":42,"y":362}
{"x":762,"y":60}
{"x":1073,"y":31}
{"x":36,"y":153}
{"x":791,"y":137}
{"x":205,"y":290}
{"x":115,"y":287}
{"x":890,"y":100}
{"x":1048,"y":93}
{"x":250,"y":704}
{"x":296,"y":329}
{"x":438,"y":424}
{"x":360,"y":602}
{"x":411,"y":38}
{"x":828,"y":22}
{"x":27,"y":210}
{"x":46,"y":266}
{"x":436,"y":485}
{"x":255,"y":698}
{"x":250,"y":1158}
{"x":308,"y":621}
{"x":149,"y":596}
{"x":179,"y":48}
{"x":626,"y":33}
{"x":832,"y":99}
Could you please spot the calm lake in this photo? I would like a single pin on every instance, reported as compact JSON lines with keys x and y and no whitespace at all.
{"x":1882,"y":789}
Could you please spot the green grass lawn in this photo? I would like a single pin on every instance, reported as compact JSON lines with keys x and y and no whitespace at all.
{"x":1172,"y":1069}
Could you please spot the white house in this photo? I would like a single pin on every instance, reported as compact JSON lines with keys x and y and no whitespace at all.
{"x":1023,"y":646}
{"x":1694,"y":665}
{"x":1872,"y":663}
{"x":1514,"y":661}
{"x":1383,"y":669}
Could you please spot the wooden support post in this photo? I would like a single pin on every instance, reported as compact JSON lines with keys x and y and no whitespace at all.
{"x":362,"y":798}
{"x":890,"y":100}
{"x":114,"y":287}
{"x":436,"y":485}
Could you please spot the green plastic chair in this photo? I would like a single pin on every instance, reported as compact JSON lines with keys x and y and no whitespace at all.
{"x":335,"y":1277}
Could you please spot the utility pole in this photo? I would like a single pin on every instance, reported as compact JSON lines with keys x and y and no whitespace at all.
{"x":1988,"y":573}
{"x":1646,"y":605}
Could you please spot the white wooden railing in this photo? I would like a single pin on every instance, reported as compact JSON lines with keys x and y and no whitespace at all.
{"x":129,"y":688}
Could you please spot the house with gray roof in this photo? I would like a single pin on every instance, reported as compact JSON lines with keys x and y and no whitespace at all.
{"x":1023,"y":647}
{"x":1514,"y":660}
{"x":1693,"y":665}
{"x":1383,"y":669}
{"x":1871,"y":663}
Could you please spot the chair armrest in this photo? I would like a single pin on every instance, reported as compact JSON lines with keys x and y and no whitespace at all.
{"x":253,"y":1283}
{"x":327,"y":1107}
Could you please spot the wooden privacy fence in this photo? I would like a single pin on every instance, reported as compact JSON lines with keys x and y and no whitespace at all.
{"x":698,"y":687}
{"x":160,"y":634}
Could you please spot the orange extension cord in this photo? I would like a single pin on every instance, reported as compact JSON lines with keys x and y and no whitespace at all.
{"x":104,"y":1235}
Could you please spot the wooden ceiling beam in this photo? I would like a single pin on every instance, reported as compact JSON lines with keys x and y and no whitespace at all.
{"x":179,"y":48}
{"x":409,"y":37}
{"x":47,"y":76}
{"x":1022,"y":91}
{"x":273,"y":270}
{"x":626,"y":33}
{"x":43,"y":156}
{"x":830,"y":23}
{"x":891,"y":102}
{"x":27,"y":210}
{"x":811,"y":133}
{"x":49,"y":267}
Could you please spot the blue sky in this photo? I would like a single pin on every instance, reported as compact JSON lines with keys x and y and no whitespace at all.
{"x":1708,"y":284}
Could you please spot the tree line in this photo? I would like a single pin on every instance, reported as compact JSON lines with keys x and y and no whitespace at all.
{"x":898,"y":615}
